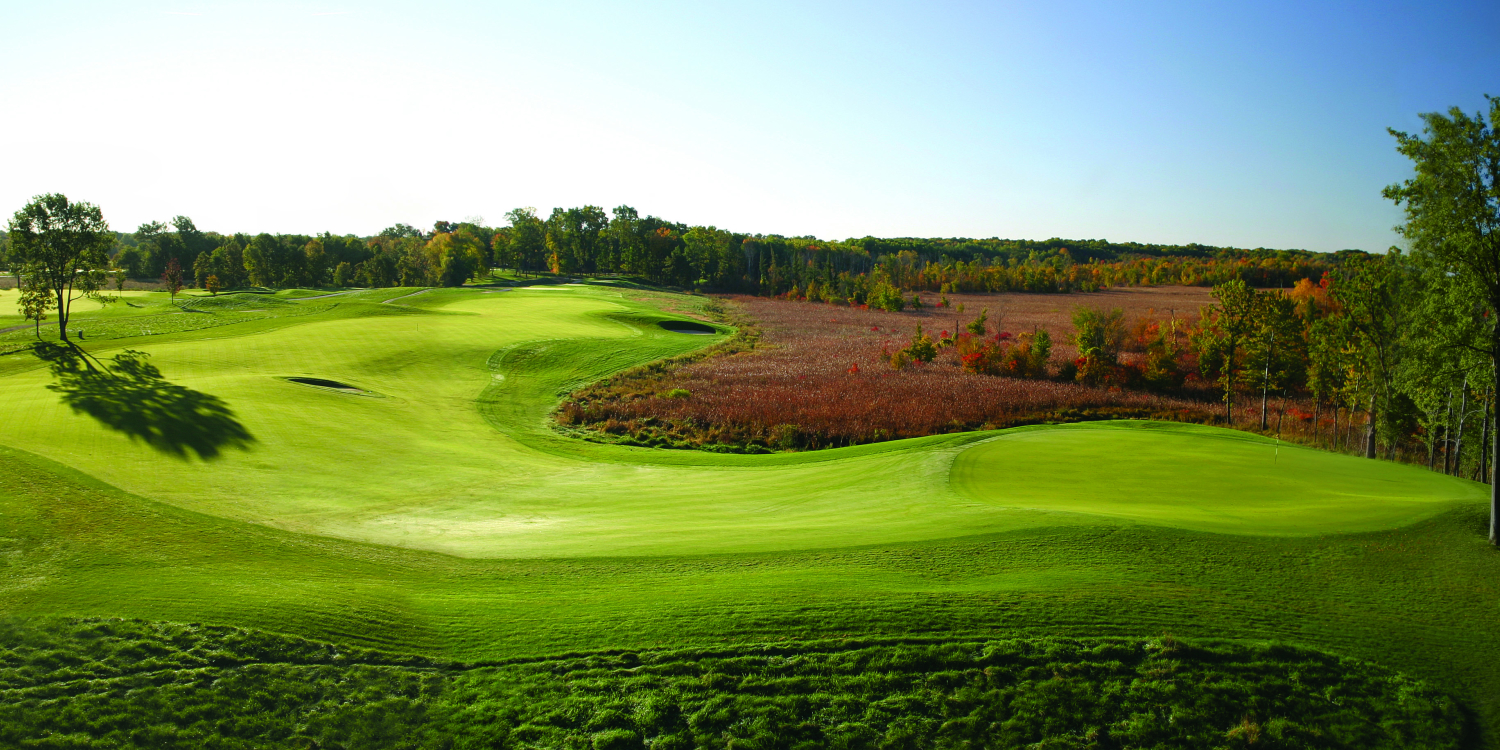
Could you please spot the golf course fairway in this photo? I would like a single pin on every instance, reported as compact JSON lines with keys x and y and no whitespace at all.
{"x":431,"y":508}
{"x":424,"y":466}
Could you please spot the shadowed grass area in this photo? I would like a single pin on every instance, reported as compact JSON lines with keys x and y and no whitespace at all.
{"x":130,"y":396}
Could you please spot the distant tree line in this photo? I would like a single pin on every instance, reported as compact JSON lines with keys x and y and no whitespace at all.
{"x":401,"y":255}
{"x":591,"y":241}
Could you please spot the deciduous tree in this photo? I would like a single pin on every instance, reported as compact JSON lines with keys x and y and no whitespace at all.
{"x":172,"y":277}
{"x":1452,"y":207}
{"x":62,"y":248}
{"x":1222,"y":334}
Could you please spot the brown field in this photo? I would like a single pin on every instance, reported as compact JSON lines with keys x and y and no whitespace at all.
{"x":134,"y":285}
{"x":819,"y":377}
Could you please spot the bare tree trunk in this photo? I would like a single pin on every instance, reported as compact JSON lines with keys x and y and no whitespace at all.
{"x":1370,"y":428}
{"x":1447,"y":432}
{"x":1431,"y":451}
{"x":62,"y":316}
{"x":1317,"y":420}
{"x":1495,"y":458}
{"x":1265,"y":383}
{"x":1458,"y":441}
{"x":1333,"y":434}
{"x":1263,"y":407}
{"x":1484,"y":440}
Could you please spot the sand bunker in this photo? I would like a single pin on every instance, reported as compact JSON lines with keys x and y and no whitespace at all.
{"x":687,"y":326}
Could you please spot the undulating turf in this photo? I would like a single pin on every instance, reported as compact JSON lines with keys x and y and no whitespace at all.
{"x":447,"y":519}
{"x":1201,"y":478}
{"x":457,"y":457}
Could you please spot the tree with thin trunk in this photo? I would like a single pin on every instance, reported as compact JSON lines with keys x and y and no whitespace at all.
{"x":1458,"y":438}
{"x":1484,"y":435}
{"x":1452,"y":207}
{"x":62,"y":248}
{"x":1325,"y":369}
{"x":172,"y":277}
{"x":1222,"y":335}
{"x":1274,"y":347}
{"x":34,"y":304}
{"x":1372,"y":296}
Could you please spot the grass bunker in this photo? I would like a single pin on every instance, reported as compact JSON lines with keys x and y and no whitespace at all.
{"x":326,"y":383}
{"x":688,"y":326}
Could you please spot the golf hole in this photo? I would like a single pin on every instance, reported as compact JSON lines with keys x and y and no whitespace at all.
{"x":687,"y":326}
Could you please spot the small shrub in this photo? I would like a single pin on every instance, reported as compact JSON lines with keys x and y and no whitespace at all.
{"x":922,"y":348}
{"x":978,"y":326}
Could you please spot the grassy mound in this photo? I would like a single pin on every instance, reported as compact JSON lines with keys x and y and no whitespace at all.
{"x":1203,"y":478}
{"x":113,"y":683}
{"x":234,"y":301}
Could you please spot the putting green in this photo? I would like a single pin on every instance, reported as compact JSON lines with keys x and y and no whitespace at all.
{"x":1201,"y":478}
{"x":457,"y":456}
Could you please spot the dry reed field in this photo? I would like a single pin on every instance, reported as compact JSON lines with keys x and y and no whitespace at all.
{"x":820,"y":377}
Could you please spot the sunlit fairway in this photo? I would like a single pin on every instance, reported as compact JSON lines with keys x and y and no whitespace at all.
{"x":434,"y":510}
{"x":1202,"y":478}
{"x":425,"y":466}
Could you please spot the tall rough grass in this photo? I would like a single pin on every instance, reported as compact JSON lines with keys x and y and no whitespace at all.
{"x":821,"y":377}
{"x":131,"y":684}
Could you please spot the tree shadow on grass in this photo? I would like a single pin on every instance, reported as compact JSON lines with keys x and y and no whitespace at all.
{"x":128,"y":394}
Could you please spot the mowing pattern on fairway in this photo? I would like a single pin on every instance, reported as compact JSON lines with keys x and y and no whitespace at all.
{"x":131,"y":684}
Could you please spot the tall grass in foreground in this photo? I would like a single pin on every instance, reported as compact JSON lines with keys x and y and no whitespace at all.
{"x":131,"y":684}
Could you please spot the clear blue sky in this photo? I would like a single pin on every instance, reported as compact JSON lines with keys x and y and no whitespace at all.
{"x":1225,"y":123}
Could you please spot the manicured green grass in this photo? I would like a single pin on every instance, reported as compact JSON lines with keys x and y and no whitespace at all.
{"x":1201,"y":478}
{"x":424,"y":468}
{"x":447,"y":519}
